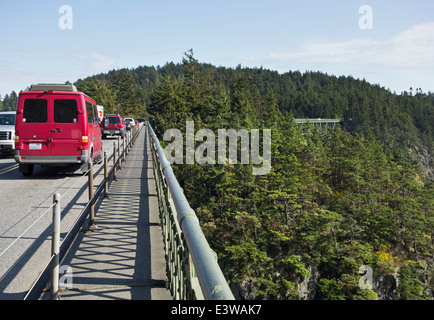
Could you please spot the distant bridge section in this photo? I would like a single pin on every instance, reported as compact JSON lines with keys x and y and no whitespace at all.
{"x":318,"y":122}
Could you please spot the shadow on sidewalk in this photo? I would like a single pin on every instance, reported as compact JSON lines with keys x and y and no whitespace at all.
{"x":124,"y":257}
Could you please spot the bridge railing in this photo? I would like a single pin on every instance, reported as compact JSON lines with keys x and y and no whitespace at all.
{"x":191,"y":265}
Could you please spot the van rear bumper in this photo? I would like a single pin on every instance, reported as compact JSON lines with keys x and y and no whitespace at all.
{"x":51,"y":159}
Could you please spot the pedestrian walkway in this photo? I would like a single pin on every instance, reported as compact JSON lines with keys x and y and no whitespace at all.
{"x":124,"y":257}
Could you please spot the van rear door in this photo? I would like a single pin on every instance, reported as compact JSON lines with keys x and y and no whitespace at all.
{"x":34,"y":131}
{"x":66,"y":127}
{"x":50,"y":125}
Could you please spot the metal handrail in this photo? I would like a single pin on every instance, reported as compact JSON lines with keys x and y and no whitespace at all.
{"x":211,"y":279}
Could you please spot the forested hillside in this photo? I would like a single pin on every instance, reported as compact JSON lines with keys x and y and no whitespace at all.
{"x":401,"y":121}
{"x":334,"y":201}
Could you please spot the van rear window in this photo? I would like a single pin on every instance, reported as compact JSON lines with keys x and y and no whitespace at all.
{"x":65,"y":111}
{"x":35,"y":111}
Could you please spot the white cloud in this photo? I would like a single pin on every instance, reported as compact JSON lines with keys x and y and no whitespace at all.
{"x":97,"y":62}
{"x":412,"y":48}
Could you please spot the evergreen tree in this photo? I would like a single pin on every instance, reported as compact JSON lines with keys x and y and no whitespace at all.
{"x":334,"y":200}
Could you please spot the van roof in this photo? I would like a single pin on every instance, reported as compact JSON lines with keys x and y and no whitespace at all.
{"x":53,"y":87}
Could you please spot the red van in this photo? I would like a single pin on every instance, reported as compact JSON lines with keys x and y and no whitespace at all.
{"x":56,"y":125}
{"x":113,"y":124}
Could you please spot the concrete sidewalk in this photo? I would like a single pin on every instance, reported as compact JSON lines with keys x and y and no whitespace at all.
{"x":124,"y":257}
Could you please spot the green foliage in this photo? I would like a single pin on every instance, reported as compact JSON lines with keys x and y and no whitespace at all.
{"x":330,"y":289}
{"x":100,"y":91}
{"x":117,"y":91}
{"x":247,"y":258}
{"x":332,"y":199}
{"x":9,"y":102}
{"x":411,"y":281}
{"x":293,"y":265}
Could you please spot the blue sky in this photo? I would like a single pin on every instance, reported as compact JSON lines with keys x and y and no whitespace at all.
{"x":396,"y":53}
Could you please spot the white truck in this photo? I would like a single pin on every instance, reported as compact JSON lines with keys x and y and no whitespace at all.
{"x":7,"y":131}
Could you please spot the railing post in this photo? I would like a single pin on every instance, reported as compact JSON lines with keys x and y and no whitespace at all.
{"x":123,"y":147}
{"x":55,"y":244}
{"x":91,"y":199}
{"x":114,"y":161}
{"x":127,"y":139}
{"x":119,"y":151}
{"x":106,"y":177}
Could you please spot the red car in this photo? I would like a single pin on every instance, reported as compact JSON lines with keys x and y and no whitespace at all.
{"x":56,"y":125}
{"x":113,"y":124}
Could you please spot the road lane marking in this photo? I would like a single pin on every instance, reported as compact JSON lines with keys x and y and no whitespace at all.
{"x":8,"y":169}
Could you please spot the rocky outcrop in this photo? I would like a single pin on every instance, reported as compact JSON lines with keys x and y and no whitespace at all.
{"x":423,"y":157}
{"x":386,"y":287}
{"x":244,"y":290}
{"x":307,"y":286}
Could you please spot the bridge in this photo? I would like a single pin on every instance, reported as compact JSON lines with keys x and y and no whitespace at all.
{"x":145,"y":242}
{"x":318,"y":122}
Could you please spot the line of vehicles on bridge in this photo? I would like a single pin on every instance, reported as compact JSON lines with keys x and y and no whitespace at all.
{"x":56,"y":125}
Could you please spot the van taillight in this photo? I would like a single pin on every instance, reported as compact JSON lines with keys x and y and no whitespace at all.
{"x":84,"y":139}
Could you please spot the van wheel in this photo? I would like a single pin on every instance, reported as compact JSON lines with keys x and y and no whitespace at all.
{"x":26,"y":169}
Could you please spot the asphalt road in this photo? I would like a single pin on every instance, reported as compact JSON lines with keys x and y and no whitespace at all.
{"x":26,"y":215}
